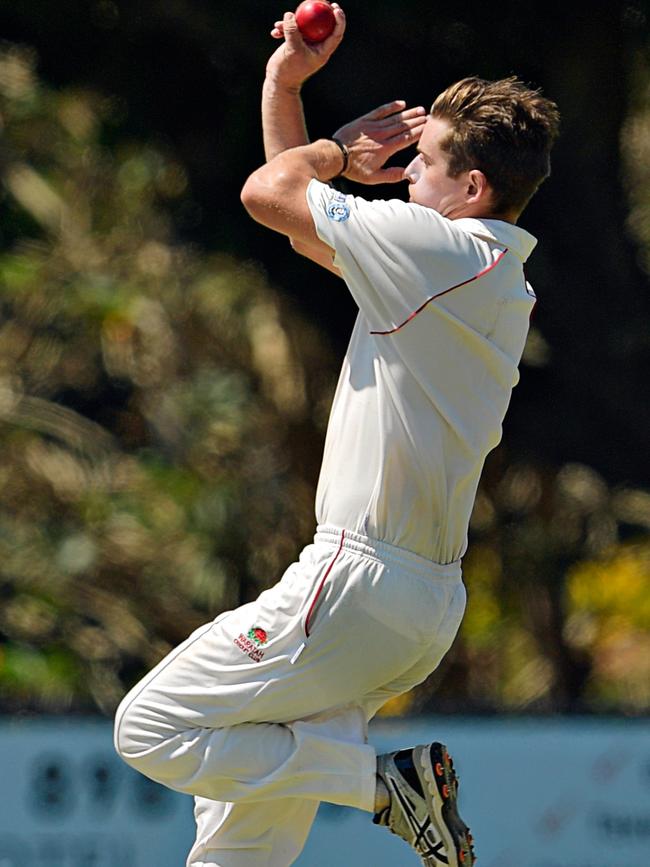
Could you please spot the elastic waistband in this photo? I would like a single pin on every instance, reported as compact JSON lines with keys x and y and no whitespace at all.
{"x":386,"y":553}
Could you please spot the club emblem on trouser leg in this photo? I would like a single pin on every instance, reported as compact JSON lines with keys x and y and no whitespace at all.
{"x":258,"y":635}
{"x":251,"y":644}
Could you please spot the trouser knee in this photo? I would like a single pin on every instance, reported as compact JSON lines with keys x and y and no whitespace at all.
{"x":135,"y":734}
{"x":155,"y":743}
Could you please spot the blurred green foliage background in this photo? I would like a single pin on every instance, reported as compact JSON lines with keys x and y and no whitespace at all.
{"x":166,"y":366}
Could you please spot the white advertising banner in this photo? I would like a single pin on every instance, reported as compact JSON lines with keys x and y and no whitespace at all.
{"x":537,"y":793}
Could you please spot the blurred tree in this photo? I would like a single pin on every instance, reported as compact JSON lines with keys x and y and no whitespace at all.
{"x":162,"y":408}
{"x":161,"y":411}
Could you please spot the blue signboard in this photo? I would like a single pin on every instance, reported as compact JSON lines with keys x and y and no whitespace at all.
{"x":537,"y":793}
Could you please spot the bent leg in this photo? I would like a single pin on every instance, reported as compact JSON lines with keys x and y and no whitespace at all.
{"x":231,"y":720}
{"x":263,"y":834}
{"x":202,"y":723}
{"x":320,"y":758}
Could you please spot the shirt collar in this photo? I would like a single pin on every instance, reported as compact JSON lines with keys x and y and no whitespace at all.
{"x":517,"y":240}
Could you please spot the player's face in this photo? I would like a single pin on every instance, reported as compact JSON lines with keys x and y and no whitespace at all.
{"x":430,"y":185}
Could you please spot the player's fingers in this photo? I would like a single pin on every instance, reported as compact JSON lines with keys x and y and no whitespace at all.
{"x":416,"y":110}
{"x":398,"y":131}
{"x":403,"y":139}
{"x":397,"y":127}
{"x":339,"y":27}
{"x":291,"y":32}
{"x":415,"y":126}
{"x":417,"y":113}
{"x":278,"y":31}
{"x":385,"y":110}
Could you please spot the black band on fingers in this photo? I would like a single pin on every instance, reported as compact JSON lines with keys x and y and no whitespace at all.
{"x":346,"y":156}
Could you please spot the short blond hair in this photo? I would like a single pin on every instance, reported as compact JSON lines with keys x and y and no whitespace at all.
{"x":503,"y":128}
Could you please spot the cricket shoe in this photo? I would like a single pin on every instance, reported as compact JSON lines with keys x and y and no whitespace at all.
{"x":423,"y":790}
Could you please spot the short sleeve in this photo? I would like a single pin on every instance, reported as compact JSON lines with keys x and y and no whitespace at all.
{"x":394,"y":256}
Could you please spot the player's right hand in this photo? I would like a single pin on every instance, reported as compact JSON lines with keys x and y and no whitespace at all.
{"x":296,"y":60}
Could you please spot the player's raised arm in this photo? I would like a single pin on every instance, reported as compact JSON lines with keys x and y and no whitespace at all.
{"x":283,"y":120}
{"x":294,"y":61}
{"x":275,"y":195}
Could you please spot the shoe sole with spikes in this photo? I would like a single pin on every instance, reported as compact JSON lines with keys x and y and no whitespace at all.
{"x":435,"y":765}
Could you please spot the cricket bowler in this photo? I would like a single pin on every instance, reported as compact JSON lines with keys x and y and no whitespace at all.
{"x":263,"y":713}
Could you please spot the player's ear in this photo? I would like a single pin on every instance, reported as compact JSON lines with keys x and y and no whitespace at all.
{"x":477,"y":187}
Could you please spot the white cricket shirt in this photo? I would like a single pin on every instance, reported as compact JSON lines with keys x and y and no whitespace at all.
{"x":444,"y":309}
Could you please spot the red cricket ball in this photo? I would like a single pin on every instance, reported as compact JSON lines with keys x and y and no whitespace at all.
{"x":315,"y":19}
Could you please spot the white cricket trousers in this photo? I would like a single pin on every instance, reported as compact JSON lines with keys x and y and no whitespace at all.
{"x":263,"y":713}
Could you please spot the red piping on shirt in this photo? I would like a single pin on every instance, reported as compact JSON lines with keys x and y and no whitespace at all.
{"x":322,"y":584}
{"x":482,"y":273}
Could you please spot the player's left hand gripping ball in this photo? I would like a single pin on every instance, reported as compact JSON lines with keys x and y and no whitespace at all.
{"x":315,"y":19}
